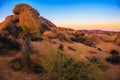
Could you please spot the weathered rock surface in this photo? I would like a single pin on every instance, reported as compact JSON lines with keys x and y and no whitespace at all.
{"x":50,"y":34}
{"x":9,"y":21}
{"x":22,"y":7}
{"x":46,"y":24}
{"x":28,"y":17}
{"x":102,"y":37}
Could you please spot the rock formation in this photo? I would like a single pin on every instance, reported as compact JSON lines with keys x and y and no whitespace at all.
{"x":50,"y":34}
{"x":102,"y":37}
{"x":9,"y":21}
{"x":46,"y":24}
{"x":26,"y":17}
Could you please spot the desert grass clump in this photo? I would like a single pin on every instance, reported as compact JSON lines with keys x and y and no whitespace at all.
{"x":88,"y":42}
{"x":99,"y":64}
{"x":58,"y":66}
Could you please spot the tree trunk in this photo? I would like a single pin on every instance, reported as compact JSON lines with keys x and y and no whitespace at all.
{"x":26,"y":47}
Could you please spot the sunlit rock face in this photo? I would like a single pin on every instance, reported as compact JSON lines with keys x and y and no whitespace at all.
{"x":28,"y":17}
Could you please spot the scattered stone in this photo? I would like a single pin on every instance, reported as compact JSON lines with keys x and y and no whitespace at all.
{"x":61,"y":47}
{"x":54,"y":42}
{"x":71,"y":48}
{"x":99,"y":49}
{"x":93,"y":52}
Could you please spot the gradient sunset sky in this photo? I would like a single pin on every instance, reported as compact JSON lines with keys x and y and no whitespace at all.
{"x":77,"y":14}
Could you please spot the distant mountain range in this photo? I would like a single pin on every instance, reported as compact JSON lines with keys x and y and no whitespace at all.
{"x":87,"y":31}
{"x":96,"y":31}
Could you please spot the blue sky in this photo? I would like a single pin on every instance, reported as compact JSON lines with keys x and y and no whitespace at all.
{"x":70,"y":12}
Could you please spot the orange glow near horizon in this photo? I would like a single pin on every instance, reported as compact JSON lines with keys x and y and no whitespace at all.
{"x":105,"y":26}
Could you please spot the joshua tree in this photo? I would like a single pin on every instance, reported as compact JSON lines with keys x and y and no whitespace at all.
{"x":26,"y":44}
{"x":25,"y":35}
{"x":26,"y":47}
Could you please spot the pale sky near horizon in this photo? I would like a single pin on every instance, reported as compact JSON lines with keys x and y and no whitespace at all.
{"x":77,"y":14}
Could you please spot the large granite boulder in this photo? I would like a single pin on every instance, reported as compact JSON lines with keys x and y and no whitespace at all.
{"x":50,"y":34}
{"x":49,"y":23}
{"x":9,"y":21}
{"x":46,"y":25}
{"x":22,"y":7}
{"x":28,"y":17}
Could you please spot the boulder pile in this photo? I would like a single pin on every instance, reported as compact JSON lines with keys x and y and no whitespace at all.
{"x":26,"y":17}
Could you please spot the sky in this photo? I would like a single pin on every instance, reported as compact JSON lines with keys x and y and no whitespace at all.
{"x":76,"y":14}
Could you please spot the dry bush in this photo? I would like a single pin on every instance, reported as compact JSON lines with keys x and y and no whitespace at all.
{"x":82,"y":39}
{"x":99,"y":64}
{"x":114,"y":59}
{"x":58,"y":66}
{"x":8,"y":43}
{"x":114,"y":52}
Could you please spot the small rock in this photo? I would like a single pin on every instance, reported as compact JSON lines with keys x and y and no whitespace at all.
{"x":99,"y":49}
{"x":61,"y":47}
{"x":71,"y":48}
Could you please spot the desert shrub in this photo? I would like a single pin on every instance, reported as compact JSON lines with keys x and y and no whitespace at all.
{"x":61,"y":37}
{"x":9,"y":43}
{"x":88,"y":42}
{"x":114,"y":59}
{"x":60,"y":67}
{"x":79,"y":34}
{"x":79,"y":39}
{"x":114,"y":52}
{"x":99,"y":64}
{"x":82,"y":39}
{"x":36,"y":36}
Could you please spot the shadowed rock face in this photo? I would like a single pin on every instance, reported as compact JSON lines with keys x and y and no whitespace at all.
{"x":9,"y":21}
{"x":49,"y":23}
{"x":46,"y":25}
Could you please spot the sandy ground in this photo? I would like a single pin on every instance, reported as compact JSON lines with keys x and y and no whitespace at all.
{"x":81,"y":52}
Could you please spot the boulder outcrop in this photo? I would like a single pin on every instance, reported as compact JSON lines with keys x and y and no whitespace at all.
{"x":26,"y":17}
